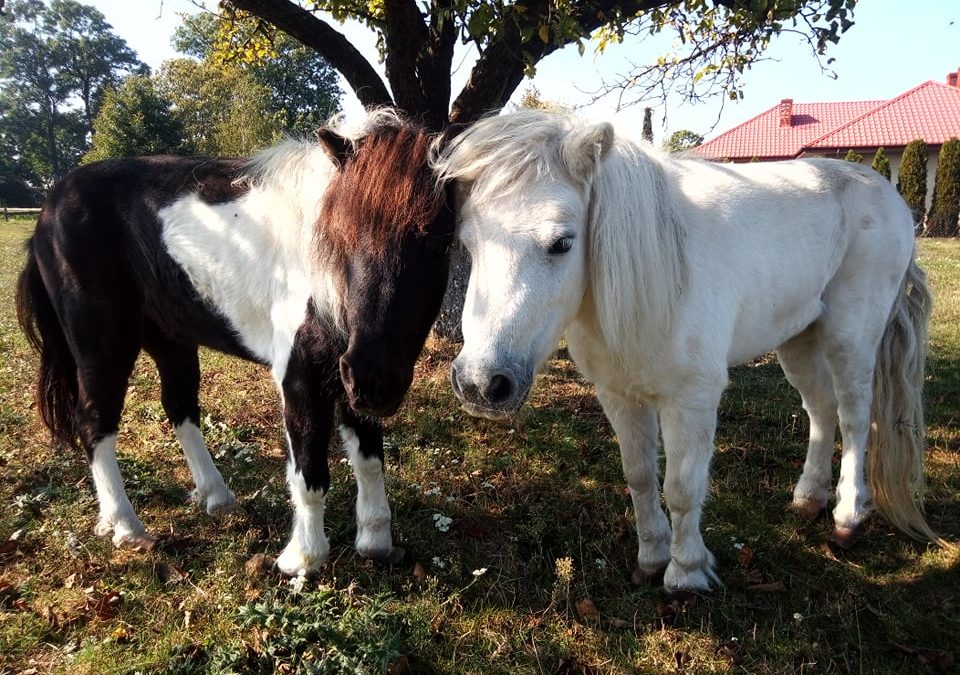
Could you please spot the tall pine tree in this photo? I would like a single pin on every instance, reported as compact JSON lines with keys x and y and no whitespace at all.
{"x":942,"y":219}
{"x":912,"y":179}
{"x":648,"y":125}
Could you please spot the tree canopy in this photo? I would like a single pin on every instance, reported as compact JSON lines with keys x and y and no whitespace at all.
{"x":56,"y":63}
{"x":720,"y":38}
{"x":302,"y":90}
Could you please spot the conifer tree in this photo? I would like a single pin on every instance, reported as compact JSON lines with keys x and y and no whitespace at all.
{"x":912,"y":179}
{"x":648,"y":125}
{"x":881,"y":164}
{"x":942,"y":219}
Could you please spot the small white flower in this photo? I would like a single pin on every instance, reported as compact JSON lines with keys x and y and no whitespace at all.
{"x":737,"y":545}
{"x":797,"y":616}
{"x":433,"y":492}
{"x":600,"y":563}
{"x":414,"y":486}
{"x":486,"y":485}
{"x":437,"y":562}
{"x":297,"y":582}
{"x":451,"y":499}
{"x":480,"y":572}
{"x":442,"y":522}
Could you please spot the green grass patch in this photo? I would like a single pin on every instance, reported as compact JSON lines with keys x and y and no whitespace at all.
{"x":539,"y":523}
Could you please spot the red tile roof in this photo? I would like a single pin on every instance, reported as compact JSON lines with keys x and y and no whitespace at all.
{"x":930,"y":111}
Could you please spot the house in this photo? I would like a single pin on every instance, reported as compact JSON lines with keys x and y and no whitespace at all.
{"x":788,"y":130}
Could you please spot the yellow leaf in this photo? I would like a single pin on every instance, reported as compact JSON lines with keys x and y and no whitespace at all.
{"x":544,"y":33}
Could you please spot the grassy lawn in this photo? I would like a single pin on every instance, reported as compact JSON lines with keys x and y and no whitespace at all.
{"x":533,"y":573}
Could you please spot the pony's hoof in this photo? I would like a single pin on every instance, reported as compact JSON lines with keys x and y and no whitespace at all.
{"x":293,"y":562}
{"x":700,"y":579}
{"x":808,"y":509}
{"x":136,"y":542}
{"x":844,"y":538}
{"x":222,"y":505}
{"x":642,"y":577}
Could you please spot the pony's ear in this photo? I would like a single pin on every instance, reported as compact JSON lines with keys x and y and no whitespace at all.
{"x":582,"y":149}
{"x":339,"y":148}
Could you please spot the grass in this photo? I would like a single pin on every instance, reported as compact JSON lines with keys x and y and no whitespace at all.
{"x":532,"y":575}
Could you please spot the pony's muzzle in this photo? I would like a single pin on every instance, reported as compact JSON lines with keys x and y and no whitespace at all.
{"x":371,"y":390}
{"x":485,"y":393}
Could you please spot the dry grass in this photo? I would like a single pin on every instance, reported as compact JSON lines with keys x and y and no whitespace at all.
{"x":522,"y":497}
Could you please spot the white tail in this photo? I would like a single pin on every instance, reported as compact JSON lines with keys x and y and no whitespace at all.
{"x":897,"y":439}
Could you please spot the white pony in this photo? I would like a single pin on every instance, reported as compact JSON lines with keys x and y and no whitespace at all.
{"x":662,"y":273}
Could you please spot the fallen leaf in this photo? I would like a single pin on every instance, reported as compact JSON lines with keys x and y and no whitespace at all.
{"x":419,"y":573}
{"x":169,"y":573}
{"x":745,"y":559}
{"x":120,"y":634}
{"x":754,"y":577}
{"x":70,"y":581}
{"x":586,"y":610}
{"x":258,"y":566}
{"x":106,"y":606}
{"x":400,"y":666}
{"x":620,"y":623}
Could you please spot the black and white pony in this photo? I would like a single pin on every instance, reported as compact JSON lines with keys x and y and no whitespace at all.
{"x":326,"y":262}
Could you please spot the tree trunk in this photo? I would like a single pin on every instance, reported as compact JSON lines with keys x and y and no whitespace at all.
{"x":451,"y":311}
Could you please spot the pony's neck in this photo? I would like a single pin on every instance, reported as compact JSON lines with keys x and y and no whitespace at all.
{"x":637,"y":266}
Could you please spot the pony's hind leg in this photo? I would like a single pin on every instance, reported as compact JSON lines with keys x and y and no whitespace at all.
{"x":105,"y":354}
{"x":805,"y":367}
{"x":363,"y":443}
{"x":179,"y":368}
{"x":637,"y":430}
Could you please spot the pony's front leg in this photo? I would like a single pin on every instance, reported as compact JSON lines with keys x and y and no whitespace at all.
{"x":308,"y":417}
{"x":637,"y":428}
{"x":688,"y":434}
{"x":363,"y":443}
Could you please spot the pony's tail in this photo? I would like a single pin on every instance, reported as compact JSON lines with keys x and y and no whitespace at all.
{"x":897,"y":439}
{"x":56,"y":394}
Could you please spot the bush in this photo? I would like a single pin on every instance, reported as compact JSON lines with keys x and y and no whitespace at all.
{"x":912,"y":179}
{"x":881,"y":164}
{"x":942,"y":219}
{"x":852,"y":156}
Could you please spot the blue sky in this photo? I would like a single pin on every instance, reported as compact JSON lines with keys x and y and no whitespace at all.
{"x":892,"y":47}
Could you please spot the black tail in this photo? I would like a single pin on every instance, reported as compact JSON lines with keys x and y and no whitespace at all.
{"x":56,"y":394}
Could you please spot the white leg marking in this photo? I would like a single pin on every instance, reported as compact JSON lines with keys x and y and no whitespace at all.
{"x":308,"y":547}
{"x":853,"y":495}
{"x":373,"y":510}
{"x":210,"y":492}
{"x":116,"y":512}
{"x":688,"y":440}
{"x":636,"y":427}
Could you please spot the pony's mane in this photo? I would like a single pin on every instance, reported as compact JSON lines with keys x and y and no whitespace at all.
{"x":385,"y":190}
{"x":636,"y":253}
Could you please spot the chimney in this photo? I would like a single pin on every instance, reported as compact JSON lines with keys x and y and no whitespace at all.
{"x":786,"y":112}
{"x":952,"y":79}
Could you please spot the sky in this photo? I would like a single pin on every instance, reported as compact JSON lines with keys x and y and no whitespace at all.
{"x":892,"y":47}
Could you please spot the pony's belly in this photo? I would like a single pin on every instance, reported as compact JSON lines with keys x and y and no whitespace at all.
{"x":765,"y":332}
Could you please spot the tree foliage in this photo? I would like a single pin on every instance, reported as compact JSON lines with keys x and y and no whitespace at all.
{"x":56,"y":62}
{"x":881,"y":164}
{"x":303,"y":90}
{"x":682,"y":140}
{"x":532,"y":99}
{"x":945,"y":209}
{"x":136,"y":120}
{"x":912,"y":178}
{"x":719,"y":41}
{"x":222,"y":108}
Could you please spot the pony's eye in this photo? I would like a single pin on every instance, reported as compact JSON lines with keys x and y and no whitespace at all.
{"x":561,"y":246}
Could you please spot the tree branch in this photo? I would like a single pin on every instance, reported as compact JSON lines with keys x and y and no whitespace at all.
{"x":322,"y":38}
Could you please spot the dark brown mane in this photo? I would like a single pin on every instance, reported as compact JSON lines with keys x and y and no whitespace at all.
{"x":385,"y":190}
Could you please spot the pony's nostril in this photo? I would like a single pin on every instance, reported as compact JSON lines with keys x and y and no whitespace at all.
{"x":498,"y":389}
{"x":346,"y":375}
